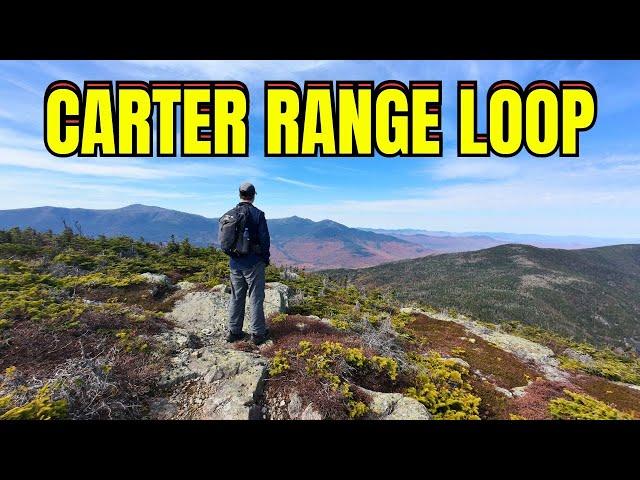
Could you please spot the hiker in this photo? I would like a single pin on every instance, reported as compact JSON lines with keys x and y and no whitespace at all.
{"x":244,"y":236}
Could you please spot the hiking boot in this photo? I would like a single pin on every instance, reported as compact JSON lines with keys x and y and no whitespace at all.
{"x":259,"y":339}
{"x":234,"y":337}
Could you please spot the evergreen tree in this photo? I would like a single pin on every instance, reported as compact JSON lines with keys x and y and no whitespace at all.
{"x":186,"y":248}
{"x":172,"y":246}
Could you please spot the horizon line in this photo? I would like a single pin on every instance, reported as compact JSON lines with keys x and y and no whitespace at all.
{"x":425,"y":231}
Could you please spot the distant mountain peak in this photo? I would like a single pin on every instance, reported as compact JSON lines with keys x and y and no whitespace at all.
{"x":141,"y":207}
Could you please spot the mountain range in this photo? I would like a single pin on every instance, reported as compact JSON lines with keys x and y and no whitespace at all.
{"x":590,"y":294}
{"x":295,"y":241}
{"x":450,"y":242}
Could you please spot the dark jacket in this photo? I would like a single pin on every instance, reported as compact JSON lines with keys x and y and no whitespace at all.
{"x":259,"y":233}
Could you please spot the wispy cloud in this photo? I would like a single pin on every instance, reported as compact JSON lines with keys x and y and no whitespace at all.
{"x":133,"y":169}
{"x":29,"y":159}
{"x":6,"y":115}
{"x":27,"y":151}
{"x":473,"y":168}
{"x":299,"y":184}
{"x":22,"y":85}
{"x":594,"y":194}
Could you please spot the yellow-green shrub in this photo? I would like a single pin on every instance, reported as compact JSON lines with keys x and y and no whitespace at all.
{"x":583,"y":407}
{"x":96,"y":279}
{"x":41,"y":407}
{"x":440,"y":386}
{"x":279,"y":363}
{"x":326,"y":362}
{"x":400,"y":320}
{"x":280,"y":317}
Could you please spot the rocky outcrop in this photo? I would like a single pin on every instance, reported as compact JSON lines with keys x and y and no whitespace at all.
{"x":395,"y":406}
{"x":530,"y":352}
{"x":580,"y":357}
{"x":156,"y":278}
{"x":206,"y":379}
{"x":205,"y":313}
{"x":382,"y":406}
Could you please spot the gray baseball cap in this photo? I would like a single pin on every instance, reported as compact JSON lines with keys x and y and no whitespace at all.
{"x":248,"y":189}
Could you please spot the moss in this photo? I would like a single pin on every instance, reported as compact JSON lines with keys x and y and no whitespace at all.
{"x":439,"y":385}
{"x":583,"y":407}
{"x":458,"y":351}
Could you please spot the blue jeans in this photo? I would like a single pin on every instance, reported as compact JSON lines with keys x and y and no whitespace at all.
{"x":247,"y":281}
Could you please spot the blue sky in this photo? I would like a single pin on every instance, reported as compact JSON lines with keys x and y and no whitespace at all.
{"x":596,"y":194}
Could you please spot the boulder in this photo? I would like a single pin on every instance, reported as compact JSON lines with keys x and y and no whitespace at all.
{"x":503,"y":391}
{"x":583,"y":358}
{"x":186,"y":286}
{"x":276,"y":298}
{"x":411,"y":310}
{"x":310,"y":413}
{"x":198,"y":311}
{"x":460,"y":361}
{"x":294,"y":408}
{"x":519,"y":391}
{"x":156,"y":278}
{"x":236,"y":398}
{"x":395,"y":406}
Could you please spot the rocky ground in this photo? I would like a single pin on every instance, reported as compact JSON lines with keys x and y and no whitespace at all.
{"x":524,"y":374}
{"x":88,"y":332}
{"x":210,"y":379}
{"x":206,"y":378}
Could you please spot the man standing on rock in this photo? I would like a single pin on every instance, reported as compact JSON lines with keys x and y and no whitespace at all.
{"x":244,"y":236}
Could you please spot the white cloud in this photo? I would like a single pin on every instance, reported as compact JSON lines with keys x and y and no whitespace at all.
{"x":298,"y":183}
{"x":542,"y":199}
